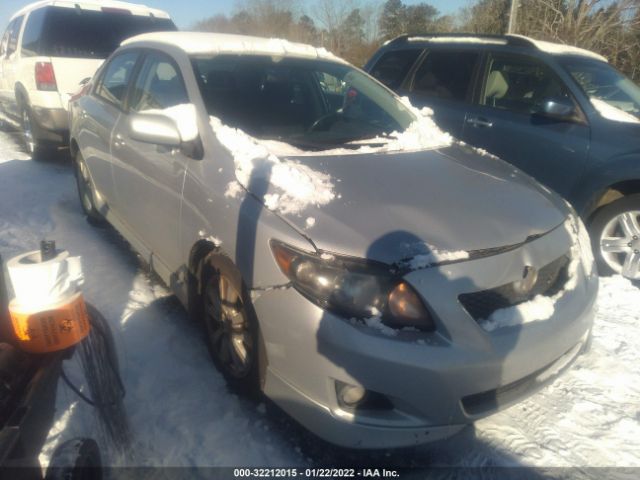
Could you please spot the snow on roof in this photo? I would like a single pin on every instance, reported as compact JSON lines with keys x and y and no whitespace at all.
{"x":194,"y":43}
{"x":548,"y":47}
{"x":134,"y":8}
{"x":559,"y":48}
{"x":456,"y":39}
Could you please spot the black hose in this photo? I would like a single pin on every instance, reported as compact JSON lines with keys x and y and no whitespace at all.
{"x":99,"y":361}
{"x":75,"y":389}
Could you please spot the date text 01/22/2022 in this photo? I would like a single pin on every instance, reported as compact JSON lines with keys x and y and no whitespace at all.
{"x":314,"y":473}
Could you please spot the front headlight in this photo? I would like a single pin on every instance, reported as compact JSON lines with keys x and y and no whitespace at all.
{"x":353,"y":288}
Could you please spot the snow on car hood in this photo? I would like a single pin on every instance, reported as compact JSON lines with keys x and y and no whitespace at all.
{"x":430,"y":206}
{"x":295,"y":185}
{"x":447,"y":198}
{"x":542,"y":307}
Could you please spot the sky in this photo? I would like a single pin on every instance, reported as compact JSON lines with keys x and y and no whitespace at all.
{"x":187,"y":12}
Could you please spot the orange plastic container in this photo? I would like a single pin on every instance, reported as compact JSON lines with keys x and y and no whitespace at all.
{"x":56,"y":328}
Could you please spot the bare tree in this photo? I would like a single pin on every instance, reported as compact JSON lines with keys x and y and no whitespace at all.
{"x":609,"y":27}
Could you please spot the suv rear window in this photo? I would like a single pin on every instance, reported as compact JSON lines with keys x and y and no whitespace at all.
{"x":77,"y":33}
{"x":394,"y":66}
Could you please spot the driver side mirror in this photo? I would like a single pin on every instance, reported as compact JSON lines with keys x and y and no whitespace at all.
{"x":161,"y":129}
{"x":154,"y":128}
{"x":559,"y":109}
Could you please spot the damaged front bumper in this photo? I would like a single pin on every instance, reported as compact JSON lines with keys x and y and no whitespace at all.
{"x":433,"y":383}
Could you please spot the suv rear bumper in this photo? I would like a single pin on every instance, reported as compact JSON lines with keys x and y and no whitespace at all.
{"x":52,"y":124}
{"x":53,"y":119}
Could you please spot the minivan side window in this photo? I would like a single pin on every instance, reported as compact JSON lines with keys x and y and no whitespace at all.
{"x":158,"y":86}
{"x":520,"y":84}
{"x":393,"y":67}
{"x":12,"y":46}
{"x":446,"y":74}
{"x":115,"y":80}
{"x":33,"y":33}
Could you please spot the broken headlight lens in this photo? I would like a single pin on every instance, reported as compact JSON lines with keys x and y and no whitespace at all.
{"x":353,"y":288}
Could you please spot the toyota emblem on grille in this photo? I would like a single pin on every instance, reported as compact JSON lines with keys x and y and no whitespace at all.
{"x":529,"y":280}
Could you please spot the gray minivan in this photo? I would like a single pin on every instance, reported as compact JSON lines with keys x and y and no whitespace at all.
{"x":560,"y":113}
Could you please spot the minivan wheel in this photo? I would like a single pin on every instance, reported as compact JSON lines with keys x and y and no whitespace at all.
{"x":615,"y":236}
{"x":231,"y":328}
{"x":85,"y":191}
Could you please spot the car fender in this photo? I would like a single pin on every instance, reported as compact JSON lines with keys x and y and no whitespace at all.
{"x":601,"y":177}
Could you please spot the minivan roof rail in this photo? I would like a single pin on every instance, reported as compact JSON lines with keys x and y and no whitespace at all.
{"x":508,"y":40}
{"x":512,"y":40}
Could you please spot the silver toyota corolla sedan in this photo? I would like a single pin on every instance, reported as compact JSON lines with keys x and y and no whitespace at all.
{"x":383,"y":283}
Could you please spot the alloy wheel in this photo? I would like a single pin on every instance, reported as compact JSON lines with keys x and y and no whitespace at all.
{"x":84,"y":186}
{"x":230,"y":337}
{"x":620,"y":244}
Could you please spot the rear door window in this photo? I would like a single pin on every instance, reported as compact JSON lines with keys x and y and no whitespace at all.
{"x":114,"y":83}
{"x":14,"y":33}
{"x":393,"y":67}
{"x":82,"y":33}
{"x":158,"y":86}
{"x":446,"y":74}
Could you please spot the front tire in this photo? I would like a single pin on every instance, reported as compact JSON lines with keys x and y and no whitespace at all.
{"x":85,"y":191}
{"x":231,"y":328}
{"x":615,"y":237}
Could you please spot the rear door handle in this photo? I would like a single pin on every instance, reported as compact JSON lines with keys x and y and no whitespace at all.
{"x":479,"y":122}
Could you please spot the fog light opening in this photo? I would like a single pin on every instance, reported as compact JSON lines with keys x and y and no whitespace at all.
{"x":355,"y":397}
{"x":350,"y":395}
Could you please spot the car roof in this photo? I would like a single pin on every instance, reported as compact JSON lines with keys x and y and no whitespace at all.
{"x":503,"y":40}
{"x":199,"y":43}
{"x":134,"y":8}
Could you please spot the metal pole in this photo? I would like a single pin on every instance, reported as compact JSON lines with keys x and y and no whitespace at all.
{"x":513,"y":16}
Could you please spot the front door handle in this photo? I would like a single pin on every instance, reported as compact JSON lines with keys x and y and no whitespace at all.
{"x":479,"y":122}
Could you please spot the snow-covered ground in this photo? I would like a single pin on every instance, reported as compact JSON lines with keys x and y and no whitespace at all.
{"x":182,"y":414}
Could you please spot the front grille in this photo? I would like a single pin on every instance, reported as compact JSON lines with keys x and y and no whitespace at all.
{"x":489,"y":252}
{"x":551,"y":279}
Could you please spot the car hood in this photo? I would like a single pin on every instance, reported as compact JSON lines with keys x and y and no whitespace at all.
{"x":390,"y":206}
{"x":618,"y":133}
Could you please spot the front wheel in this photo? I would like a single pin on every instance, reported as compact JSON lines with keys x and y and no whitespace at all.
{"x":615,"y":236}
{"x":231,"y":328}
{"x":85,"y":191}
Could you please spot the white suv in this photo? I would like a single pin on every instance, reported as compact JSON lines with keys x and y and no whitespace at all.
{"x":50,"y":47}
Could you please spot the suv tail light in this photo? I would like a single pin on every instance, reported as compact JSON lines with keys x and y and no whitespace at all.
{"x":45,"y":77}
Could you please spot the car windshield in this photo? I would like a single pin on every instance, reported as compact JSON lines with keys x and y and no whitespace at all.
{"x":600,"y":81}
{"x":312,"y":104}
{"x":78,"y":33}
